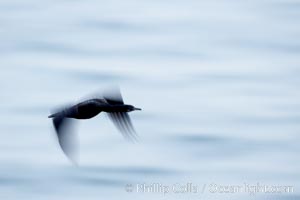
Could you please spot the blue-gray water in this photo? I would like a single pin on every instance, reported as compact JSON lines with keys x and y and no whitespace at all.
{"x":218,"y":82}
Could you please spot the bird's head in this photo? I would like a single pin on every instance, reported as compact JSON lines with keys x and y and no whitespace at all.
{"x":130,"y":108}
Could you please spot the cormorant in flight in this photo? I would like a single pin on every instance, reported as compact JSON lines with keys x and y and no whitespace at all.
{"x":112,"y":104}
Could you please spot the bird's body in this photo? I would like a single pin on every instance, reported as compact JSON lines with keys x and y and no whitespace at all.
{"x":90,"y":108}
{"x":113,"y":106}
{"x":84,"y":110}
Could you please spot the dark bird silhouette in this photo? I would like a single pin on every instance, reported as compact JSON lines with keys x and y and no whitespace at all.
{"x":112,"y":104}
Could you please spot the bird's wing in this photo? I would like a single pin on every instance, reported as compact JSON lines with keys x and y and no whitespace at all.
{"x":113,"y":96}
{"x":66,"y":137}
{"x":122,"y":121}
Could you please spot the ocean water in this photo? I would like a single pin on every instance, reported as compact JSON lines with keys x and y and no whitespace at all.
{"x":218,"y":82}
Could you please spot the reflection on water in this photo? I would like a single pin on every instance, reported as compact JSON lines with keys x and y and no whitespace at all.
{"x":217,"y":82}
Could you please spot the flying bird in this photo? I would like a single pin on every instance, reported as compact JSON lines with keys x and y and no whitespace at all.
{"x":111,"y":103}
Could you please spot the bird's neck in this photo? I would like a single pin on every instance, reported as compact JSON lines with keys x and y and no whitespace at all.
{"x":113,"y":108}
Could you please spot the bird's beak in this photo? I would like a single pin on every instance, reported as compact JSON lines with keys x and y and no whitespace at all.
{"x":137,"y":109}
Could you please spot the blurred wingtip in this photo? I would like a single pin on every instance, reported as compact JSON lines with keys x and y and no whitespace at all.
{"x":73,"y":159}
{"x":67,"y":138}
{"x":123,"y":123}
